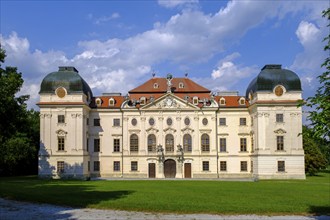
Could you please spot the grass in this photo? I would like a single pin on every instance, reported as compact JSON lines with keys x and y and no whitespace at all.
{"x":273,"y":197}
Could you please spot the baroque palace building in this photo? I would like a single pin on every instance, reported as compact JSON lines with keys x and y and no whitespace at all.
{"x":171,"y":128}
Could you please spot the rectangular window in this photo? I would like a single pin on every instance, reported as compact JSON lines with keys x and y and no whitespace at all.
{"x":96,"y":165}
{"x":280,"y":142}
{"x":223,"y":165}
{"x":60,"y":166}
{"x":116,"y":145}
{"x":116,"y":122}
{"x":223,"y":144}
{"x":97,"y":122}
{"x":281,"y":166}
{"x":243,"y":165}
{"x":89,"y":166}
{"x":60,"y":143}
{"x":96,"y":145}
{"x":243,"y":145}
{"x":222,"y":121}
{"x":87,"y":144}
{"x":279,"y":118}
{"x":116,"y":166}
{"x":87,"y":121}
{"x":134,"y":165}
{"x":60,"y":119}
{"x":242,"y":121}
{"x":205,"y":165}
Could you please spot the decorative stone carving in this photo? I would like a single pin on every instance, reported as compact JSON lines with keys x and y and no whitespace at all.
{"x":280,"y":131}
{"x":61,"y":132}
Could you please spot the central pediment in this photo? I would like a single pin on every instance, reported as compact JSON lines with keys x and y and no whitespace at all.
{"x":168,"y":102}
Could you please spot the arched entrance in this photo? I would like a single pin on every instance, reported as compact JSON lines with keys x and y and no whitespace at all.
{"x":169,"y":168}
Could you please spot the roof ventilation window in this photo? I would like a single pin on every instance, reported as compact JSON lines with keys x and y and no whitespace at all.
{"x":195,"y":100}
{"x":156,"y":86}
{"x":222,"y":101}
{"x":98,"y":102}
{"x":142,"y":100}
{"x":242,"y":101}
{"x":111,"y":102}
{"x":181,"y":86}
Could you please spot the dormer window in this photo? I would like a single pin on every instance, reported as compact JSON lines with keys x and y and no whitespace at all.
{"x":111,"y":102}
{"x":98,"y":102}
{"x":181,"y":86}
{"x":142,"y":100}
{"x":195,"y":100}
{"x":222,"y":101}
{"x":242,"y":101}
{"x":156,"y":86}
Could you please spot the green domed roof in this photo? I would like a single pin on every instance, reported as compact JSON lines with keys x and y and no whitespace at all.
{"x":272,"y":75}
{"x":66,"y":77}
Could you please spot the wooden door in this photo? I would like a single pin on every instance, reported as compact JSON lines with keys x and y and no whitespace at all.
{"x":169,"y":168}
{"x":187,"y":170}
{"x":152,"y":170}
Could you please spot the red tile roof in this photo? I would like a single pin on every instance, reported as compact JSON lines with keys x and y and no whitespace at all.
{"x":231,"y":101}
{"x":105,"y":102}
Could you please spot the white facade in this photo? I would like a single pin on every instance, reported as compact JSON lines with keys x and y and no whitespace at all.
{"x":207,"y":139}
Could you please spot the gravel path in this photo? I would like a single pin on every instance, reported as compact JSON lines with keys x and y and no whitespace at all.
{"x":23,"y":210}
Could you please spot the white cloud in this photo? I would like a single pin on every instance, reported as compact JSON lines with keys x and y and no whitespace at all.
{"x":175,"y":3}
{"x":307,"y":32}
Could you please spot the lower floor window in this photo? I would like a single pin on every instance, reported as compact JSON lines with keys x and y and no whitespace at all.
{"x":116,"y":166}
{"x":60,"y":166}
{"x":243,"y":165}
{"x":134,"y":165}
{"x":223,"y":165}
{"x":205,"y":166}
{"x":96,"y":165}
{"x":281,"y":166}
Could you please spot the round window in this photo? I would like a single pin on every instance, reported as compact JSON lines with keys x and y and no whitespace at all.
{"x":278,"y":90}
{"x":187,"y":121}
{"x":134,"y":121}
{"x":60,"y":92}
{"x":151,"y":121}
{"x":169,"y":121}
{"x":204,"y":121}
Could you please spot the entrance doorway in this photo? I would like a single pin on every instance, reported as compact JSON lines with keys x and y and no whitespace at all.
{"x":152,"y":170}
{"x":187,"y":170}
{"x":169,"y":168}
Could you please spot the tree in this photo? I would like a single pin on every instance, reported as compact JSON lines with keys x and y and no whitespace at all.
{"x":315,"y":160}
{"x":320,"y":117}
{"x":19,"y":127}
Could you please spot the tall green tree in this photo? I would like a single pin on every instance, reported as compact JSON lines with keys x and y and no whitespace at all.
{"x":19,"y":127}
{"x":320,"y":117}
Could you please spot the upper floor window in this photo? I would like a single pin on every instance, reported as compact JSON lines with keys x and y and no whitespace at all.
{"x":205,"y":121}
{"x":181,"y":86}
{"x":60,"y":143}
{"x":142,"y":100}
{"x":155,"y":85}
{"x":223,"y":144}
{"x":151,"y":143}
{"x":205,"y":140}
{"x":87,"y":121}
{"x":195,"y":100}
{"x":242,"y":121}
{"x":111,"y":102}
{"x":242,"y":101}
{"x":96,"y":122}
{"x":98,"y":101}
{"x":134,"y":143}
{"x":151,"y":121}
{"x":116,"y":122}
{"x":187,"y":121}
{"x":222,"y":121}
{"x":96,"y":145}
{"x":134,"y":122}
{"x":280,"y":142}
{"x":222,"y":101}
{"x":169,"y":121}
{"x":169,"y":143}
{"x":116,"y":145}
{"x":60,"y":119}
{"x":243,"y":144}
{"x":187,"y":143}
{"x":279,"y":118}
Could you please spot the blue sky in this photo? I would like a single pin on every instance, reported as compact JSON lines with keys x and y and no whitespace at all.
{"x":116,"y":45}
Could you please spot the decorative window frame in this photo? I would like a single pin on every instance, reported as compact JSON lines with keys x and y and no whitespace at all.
{"x":98,"y":102}
{"x":195,"y":100}
{"x":143,"y":100}
{"x":283,"y":90}
{"x":111,"y":102}
{"x":222,"y":101}
{"x":156,"y":86}
{"x":241,"y":101}
{"x":181,"y":85}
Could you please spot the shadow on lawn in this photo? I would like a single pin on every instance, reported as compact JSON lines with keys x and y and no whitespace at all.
{"x":319,"y":210}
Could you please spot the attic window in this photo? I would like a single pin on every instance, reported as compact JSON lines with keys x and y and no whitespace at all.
{"x":222,"y":101}
{"x":181,"y":86}
{"x":111,"y":102}
{"x":98,"y":102}
{"x":195,"y":100}
{"x":242,"y":101}
{"x":156,"y":86}
{"x":142,"y":100}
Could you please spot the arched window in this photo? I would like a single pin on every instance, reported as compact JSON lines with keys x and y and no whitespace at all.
{"x":143,"y":100}
{"x":151,"y":143}
{"x":111,"y":102}
{"x":169,"y":143}
{"x":134,"y":143}
{"x":242,"y":101}
{"x":98,"y":101}
{"x":187,"y":143}
{"x":205,"y":143}
{"x":222,"y":101}
{"x":195,"y":100}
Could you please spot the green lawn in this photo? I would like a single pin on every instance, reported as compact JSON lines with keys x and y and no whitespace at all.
{"x":311,"y":196}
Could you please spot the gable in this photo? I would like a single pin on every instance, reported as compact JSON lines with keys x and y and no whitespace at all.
{"x":169,"y":101}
